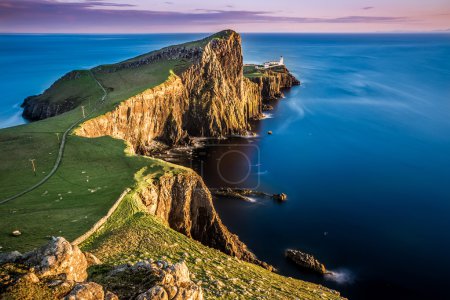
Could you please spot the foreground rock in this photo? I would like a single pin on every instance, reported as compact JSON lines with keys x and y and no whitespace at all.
{"x":56,"y":258}
{"x":58,"y":270}
{"x":306,"y":261}
{"x":145,"y":280}
{"x":86,"y":291}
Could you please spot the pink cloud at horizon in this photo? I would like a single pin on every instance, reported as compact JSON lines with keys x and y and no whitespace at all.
{"x":132,"y":16}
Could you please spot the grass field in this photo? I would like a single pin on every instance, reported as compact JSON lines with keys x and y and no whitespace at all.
{"x":93,"y":174}
{"x":251,"y":71}
{"x":221,"y":276}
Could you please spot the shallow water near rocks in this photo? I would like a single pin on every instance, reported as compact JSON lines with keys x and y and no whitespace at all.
{"x":361,"y":149}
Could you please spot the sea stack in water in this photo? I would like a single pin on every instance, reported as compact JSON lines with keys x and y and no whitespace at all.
{"x":306,"y":261}
{"x":280,"y":197}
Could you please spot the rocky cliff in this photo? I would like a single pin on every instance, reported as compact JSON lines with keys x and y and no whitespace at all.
{"x":210,"y":98}
{"x":156,"y":113}
{"x":184,"y":202}
{"x":273,"y":81}
{"x":38,"y":110}
{"x":46,"y":105}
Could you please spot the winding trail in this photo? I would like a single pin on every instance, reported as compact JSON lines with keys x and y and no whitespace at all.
{"x":61,"y":149}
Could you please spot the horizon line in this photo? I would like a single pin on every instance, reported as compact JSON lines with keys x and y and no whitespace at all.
{"x":240,"y":32}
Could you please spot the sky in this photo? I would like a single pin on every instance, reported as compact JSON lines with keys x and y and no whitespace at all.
{"x":157,"y":16}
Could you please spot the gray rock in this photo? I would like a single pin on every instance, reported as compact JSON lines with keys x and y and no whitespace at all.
{"x":155,"y":293}
{"x":10,"y":257}
{"x":111,"y":296}
{"x":306,"y":261}
{"x":58,"y":257}
{"x":86,"y":291}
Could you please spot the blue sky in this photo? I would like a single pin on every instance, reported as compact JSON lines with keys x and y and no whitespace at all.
{"x":137,"y":16}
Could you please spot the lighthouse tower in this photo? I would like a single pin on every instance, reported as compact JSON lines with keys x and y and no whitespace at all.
{"x":281,"y":63}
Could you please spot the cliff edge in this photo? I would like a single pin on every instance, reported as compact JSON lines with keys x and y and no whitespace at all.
{"x":210,"y":98}
{"x":183,"y":201}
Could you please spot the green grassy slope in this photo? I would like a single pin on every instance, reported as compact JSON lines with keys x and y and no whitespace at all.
{"x":91,"y":177}
{"x":252,"y":71}
{"x":221,"y":276}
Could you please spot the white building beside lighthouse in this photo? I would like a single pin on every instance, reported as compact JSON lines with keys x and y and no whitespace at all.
{"x":270,"y":64}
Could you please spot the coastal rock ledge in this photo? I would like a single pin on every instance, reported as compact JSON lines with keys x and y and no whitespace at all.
{"x":58,"y":270}
{"x":306,"y":261}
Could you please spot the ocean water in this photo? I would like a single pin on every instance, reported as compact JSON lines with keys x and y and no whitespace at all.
{"x":362,"y":149}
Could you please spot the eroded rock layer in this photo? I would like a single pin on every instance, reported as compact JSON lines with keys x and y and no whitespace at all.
{"x":274,"y":81}
{"x":185,"y":203}
{"x":156,"y":113}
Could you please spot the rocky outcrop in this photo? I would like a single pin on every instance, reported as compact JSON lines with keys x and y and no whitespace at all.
{"x":221,"y":100}
{"x":156,"y":113}
{"x":306,"y":261}
{"x":280,"y":197}
{"x":210,"y":98}
{"x":65,"y":275}
{"x":38,"y":110}
{"x":191,"y":52}
{"x":58,"y":257}
{"x":86,"y":291}
{"x":184,"y":202}
{"x":43,"y":106}
{"x":274,"y":81}
{"x":151,"y":280}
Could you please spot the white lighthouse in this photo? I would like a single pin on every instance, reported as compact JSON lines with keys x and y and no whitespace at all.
{"x":281,"y":61}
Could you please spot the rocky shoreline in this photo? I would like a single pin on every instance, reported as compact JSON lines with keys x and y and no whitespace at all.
{"x":243,"y":194}
{"x":306,"y":261}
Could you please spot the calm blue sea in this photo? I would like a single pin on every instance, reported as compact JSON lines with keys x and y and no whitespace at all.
{"x":362,"y":149}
